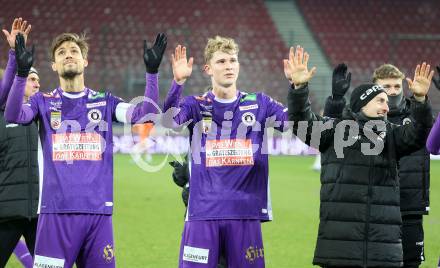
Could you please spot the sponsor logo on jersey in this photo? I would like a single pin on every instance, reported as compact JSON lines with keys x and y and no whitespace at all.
{"x":197,"y":255}
{"x":206,"y":124}
{"x":48,"y":262}
{"x":94,"y":115}
{"x":96,"y":104}
{"x":76,"y":146}
{"x":108,"y":253}
{"x":96,"y":95}
{"x":248,"y":119}
{"x":248,"y":107}
{"x":231,"y":152}
{"x":249,"y":97}
{"x":254,"y":253}
{"x":55,"y":119}
{"x":55,"y":104}
{"x":11,"y":125}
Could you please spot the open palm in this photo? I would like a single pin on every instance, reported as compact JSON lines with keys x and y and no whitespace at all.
{"x":182,"y":67}
{"x":18,"y":26}
{"x":419,"y":86}
{"x":297,"y":65}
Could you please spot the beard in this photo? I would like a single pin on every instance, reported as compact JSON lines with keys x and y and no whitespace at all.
{"x":70,"y":74}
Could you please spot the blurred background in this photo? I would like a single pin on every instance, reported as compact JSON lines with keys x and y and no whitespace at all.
{"x":364,"y":34}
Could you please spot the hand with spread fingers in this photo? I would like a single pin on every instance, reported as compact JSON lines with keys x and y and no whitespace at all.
{"x":299,"y":72}
{"x":18,"y":26}
{"x":340,"y":81}
{"x":182,"y":67}
{"x":153,"y":56}
{"x":421,"y":82}
{"x":24,"y":57}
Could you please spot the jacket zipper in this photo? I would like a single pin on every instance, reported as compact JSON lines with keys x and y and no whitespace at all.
{"x":367,"y":224}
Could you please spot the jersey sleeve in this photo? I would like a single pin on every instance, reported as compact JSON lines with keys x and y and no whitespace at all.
{"x":16,"y":111}
{"x":276,"y":113}
{"x":140,"y":110}
{"x":177,"y":111}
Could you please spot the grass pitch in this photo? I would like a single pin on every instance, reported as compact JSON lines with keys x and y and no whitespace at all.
{"x":148,"y":215}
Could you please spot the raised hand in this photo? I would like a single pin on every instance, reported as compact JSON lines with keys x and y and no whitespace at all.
{"x":299,"y":72}
{"x":182,"y":68}
{"x":18,"y":26}
{"x":24,"y":57}
{"x":153,"y":56}
{"x":340,"y":81}
{"x":419,"y":86}
{"x":436,"y":80}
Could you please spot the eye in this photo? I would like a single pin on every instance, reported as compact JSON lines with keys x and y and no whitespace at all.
{"x":61,"y":52}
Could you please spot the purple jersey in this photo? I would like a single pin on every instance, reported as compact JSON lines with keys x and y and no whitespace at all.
{"x":8,"y":78}
{"x":77,"y":142}
{"x":433,"y":142}
{"x":229,"y":165}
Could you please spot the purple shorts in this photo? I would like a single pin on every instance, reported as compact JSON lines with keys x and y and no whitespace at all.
{"x":239,"y":241}
{"x":65,"y":239}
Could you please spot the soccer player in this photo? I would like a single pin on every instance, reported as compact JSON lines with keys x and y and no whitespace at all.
{"x":18,"y":161}
{"x":414,"y":169}
{"x":359,"y":213}
{"x":229,"y":186}
{"x":76,"y":202}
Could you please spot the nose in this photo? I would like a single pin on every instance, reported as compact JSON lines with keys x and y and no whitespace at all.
{"x":386,"y":108}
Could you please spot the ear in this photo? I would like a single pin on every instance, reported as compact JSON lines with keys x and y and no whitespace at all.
{"x":86,"y":63}
{"x":207,"y":69}
{"x":54,"y":66}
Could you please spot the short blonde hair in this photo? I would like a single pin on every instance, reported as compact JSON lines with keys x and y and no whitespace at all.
{"x":386,"y":71}
{"x":219,"y":43}
{"x":80,"y":40}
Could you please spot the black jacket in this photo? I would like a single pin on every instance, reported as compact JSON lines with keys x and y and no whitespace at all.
{"x":359,"y":211}
{"x":18,"y":170}
{"x":414,"y":169}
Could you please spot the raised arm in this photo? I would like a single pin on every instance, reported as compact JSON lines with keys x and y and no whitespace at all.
{"x":177,"y":111}
{"x":135,"y":113}
{"x":335,"y":103}
{"x":411,"y":137}
{"x":15,"y":111}
{"x":18,"y":26}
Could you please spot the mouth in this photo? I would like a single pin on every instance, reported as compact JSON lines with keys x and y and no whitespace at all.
{"x":229,"y":75}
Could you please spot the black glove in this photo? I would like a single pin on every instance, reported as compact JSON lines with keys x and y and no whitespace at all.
{"x":436,"y":80}
{"x":24,"y":57}
{"x":180,"y":173}
{"x":185,"y":195}
{"x":341,"y":81}
{"x":153,"y":56}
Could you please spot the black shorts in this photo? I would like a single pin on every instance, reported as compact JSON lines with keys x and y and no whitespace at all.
{"x":10,"y":233}
{"x":413,"y":240}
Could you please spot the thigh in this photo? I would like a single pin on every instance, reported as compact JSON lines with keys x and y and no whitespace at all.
{"x":59,"y":239}
{"x":10,"y":233}
{"x":412,"y":242}
{"x":98,"y":249}
{"x":200,"y":245}
{"x":244,"y":244}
